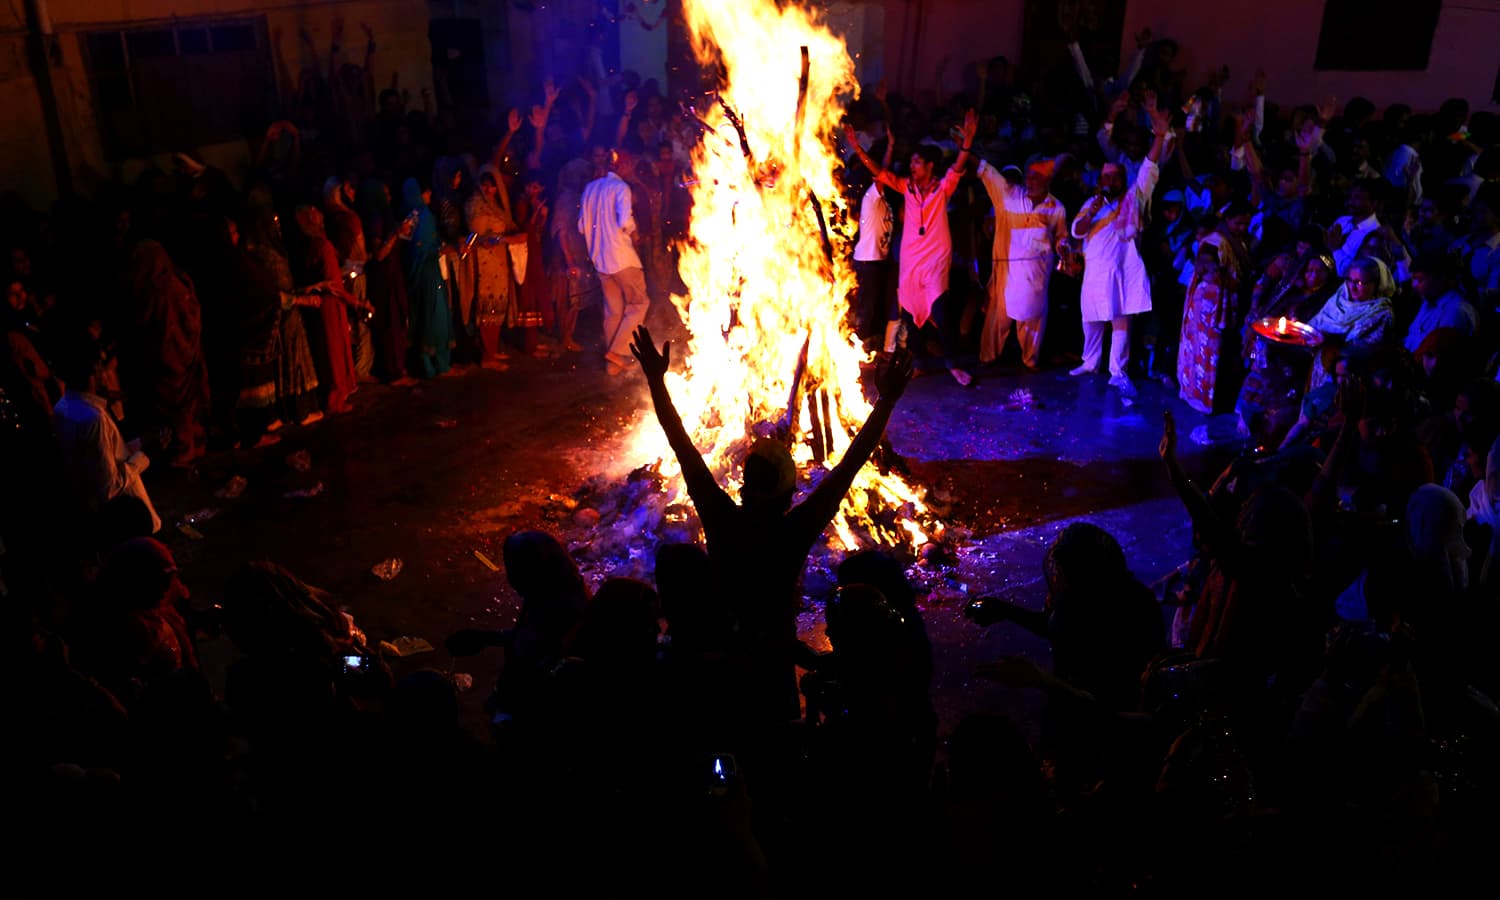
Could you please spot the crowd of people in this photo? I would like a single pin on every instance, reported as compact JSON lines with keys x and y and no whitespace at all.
{"x":1308,"y":697}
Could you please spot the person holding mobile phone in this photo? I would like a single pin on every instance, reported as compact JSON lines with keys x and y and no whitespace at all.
{"x":431,"y":318}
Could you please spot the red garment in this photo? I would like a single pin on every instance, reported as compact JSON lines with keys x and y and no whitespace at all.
{"x":323,"y":265}
{"x":162,"y":350}
{"x":534,"y":302}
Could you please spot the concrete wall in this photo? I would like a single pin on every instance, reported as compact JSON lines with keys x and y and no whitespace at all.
{"x":403,"y":50}
{"x":1281,"y":36}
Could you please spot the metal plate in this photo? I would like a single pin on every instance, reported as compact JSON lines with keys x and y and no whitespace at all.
{"x":1288,"y":331}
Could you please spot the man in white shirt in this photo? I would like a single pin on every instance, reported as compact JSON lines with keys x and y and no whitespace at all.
{"x":1442,"y":306}
{"x":1348,"y":233}
{"x":607,"y":222}
{"x":1115,"y":284}
{"x":874,"y":304}
{"x":1029,"y":223}
{"x":100,"y":466}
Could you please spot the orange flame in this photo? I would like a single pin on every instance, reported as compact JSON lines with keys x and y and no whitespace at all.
{"x":761,"y":284}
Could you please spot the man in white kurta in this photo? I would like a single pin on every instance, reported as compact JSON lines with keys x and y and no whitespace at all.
{"x":1115,"y":284}
{"x":1028,"y":224}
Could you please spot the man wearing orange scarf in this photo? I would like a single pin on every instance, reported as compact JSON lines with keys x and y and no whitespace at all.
{"x":1029,"y":222}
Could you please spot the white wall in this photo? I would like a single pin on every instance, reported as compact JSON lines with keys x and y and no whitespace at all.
{"x":1281,"y":36}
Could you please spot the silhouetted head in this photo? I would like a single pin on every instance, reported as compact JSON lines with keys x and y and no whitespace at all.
{"x":620,"y":626}
{"x":553,"y":592}
{"x":689,"y":601}
{"x":770,"y":477}
{"x":884,"y":573}
{"x":122,"y":518}
{"x":141,"y":574}
{"x":1082,"y":559}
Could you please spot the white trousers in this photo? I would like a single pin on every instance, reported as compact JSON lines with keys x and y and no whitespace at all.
{"x":1029,"y":333}
{"x":1119,"y":348}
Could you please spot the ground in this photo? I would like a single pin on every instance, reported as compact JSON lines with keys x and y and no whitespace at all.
{"x":438,"y":475}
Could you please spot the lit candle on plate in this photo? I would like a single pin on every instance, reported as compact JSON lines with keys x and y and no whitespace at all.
{"x":1281,"y":325}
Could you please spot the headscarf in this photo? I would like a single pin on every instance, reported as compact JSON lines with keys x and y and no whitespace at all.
{"x":424,"y":238}
{"x":1485,"y":494}
{"x":310,"y":222}
{"x":1344,"y":316}
{"x":502,"y":196}
{"x":332,"y":191}
{"x":442,"y":181}
{"x":374,"y":209}
{"x":258,"y":221}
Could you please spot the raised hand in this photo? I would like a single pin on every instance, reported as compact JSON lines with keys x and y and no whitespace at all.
{"x":550,"y":92}
{"x":1326,"y":110}
{"x":1309,"y":136}
{"x":631,"y":101}
{"x":970,"y":127}
{"x":851,"y":135}
{"x":1168,"y":448}
{"x":513,"y":121}
{"x":1241,"y":122}
{"x":653,"y":363}
{"x":1161,"y":121}
{"x":369,"y":32}
{"x":1143,"y":39}
{"x":539,"y":117}
{"x":893,"y":381}
{"x":587,"y":87}
{"x":1117,"y":106}
{"x":1258,"y":83}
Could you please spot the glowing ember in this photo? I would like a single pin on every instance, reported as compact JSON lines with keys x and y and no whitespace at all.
{"x":762,"y":283}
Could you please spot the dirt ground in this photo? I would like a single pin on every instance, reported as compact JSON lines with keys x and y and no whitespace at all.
{"x":437,"y":476}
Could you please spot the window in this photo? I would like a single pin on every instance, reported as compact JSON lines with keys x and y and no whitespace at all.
{"x":1377,"y":35}
{"x":179,"y":87}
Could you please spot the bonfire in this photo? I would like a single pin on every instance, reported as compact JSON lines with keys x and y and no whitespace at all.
{"x":770,"y":350}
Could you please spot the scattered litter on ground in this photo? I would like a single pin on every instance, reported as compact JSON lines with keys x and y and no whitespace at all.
{"x":387,"y":570}
{"x":232,"y":488}
{"x":313,"y":491}
{"x":406,"y":646}
{"x":488,"y":563}
{"x":300,"y":461}
{"x":1021,"y":398}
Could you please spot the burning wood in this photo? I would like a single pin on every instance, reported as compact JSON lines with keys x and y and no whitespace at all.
{"x":765,"y":306}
